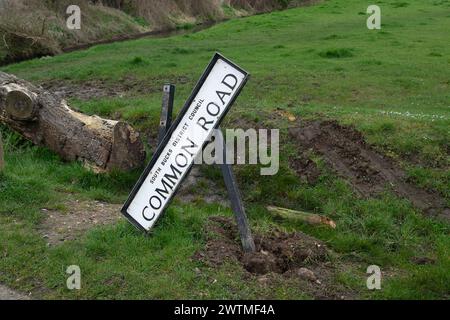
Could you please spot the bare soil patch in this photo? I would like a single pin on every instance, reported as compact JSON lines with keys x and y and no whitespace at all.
{"x":305,"y":168}
{"x":96,"y":89}
{"x":279,"y":255}
{"x":81,"y":215}
{"x":369,"y":172}
{"x":92,"y":89}
{"x":9,"y":294}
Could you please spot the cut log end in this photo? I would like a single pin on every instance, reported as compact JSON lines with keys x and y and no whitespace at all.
{"x":127,"y":150}
{"x":20,"y":105}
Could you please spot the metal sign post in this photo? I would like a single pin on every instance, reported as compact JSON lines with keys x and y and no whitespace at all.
{"x":211,"y":99}
{"x":166,"y":111}
{"x":237,"y":205}
{"x":236,"y":201}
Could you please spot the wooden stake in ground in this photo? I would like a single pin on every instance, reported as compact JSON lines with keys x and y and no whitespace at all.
{"x":307,"y":217}
{"x":41,"y":117}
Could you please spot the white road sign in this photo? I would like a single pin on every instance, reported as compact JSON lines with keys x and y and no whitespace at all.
{"x":212,"y":97}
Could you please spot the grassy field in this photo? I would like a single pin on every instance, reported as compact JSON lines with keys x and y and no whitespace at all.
{"x":317,"y":62}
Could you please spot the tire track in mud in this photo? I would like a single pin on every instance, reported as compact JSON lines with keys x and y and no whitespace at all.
{"x":369,"y":172}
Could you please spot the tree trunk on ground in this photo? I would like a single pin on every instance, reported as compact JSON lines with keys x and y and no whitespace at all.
{"x":44,"y":119}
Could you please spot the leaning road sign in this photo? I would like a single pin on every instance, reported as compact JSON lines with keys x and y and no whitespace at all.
{"x":211,"y":99}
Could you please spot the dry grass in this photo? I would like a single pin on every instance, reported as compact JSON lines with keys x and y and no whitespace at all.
{"x":266,"y":5}
{"x":163,"y":14}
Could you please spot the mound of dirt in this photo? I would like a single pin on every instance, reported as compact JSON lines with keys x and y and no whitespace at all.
{"x":277,"y":252}
{"x":293,"y":258}
{"x":369,"y":172}
{"x":305,"y":168}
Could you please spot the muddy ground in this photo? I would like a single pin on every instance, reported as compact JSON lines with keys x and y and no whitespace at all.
{"x":280,"y":256}
{"x":97,"y":89}
{"x":369,"y":172}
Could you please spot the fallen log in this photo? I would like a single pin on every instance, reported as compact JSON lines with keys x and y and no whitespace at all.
{"x":302,"y":216}
{"x":46,"y":120}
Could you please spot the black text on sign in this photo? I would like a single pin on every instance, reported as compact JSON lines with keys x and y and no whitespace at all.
{"x":211,"y":99}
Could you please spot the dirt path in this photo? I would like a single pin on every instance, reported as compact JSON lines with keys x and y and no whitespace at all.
{"x":9,"y":294}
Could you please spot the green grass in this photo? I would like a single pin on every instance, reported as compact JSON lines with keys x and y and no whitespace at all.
{"x":316,"y":62}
